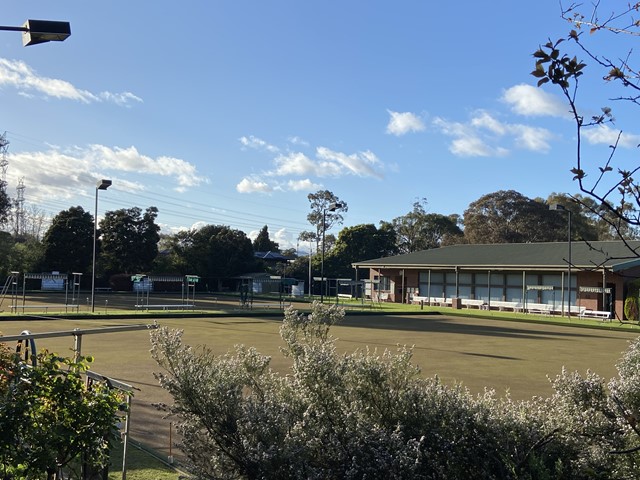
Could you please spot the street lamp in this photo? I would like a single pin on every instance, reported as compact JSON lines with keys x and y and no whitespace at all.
{"x":41,"y":31}
{"x":101,"y":185}
{"x":562,"y":208}
{"x":331,"y":208}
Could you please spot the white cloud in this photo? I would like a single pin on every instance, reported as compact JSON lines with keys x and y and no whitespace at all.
{"x":284,"y":239}
{"x":130,"y":160}
{"x":402,"y":123}
{"x":249,"y":185}
{"x":294,"y":163}
{"x":122,"y":99}
{"x":305,"y":185}
{"x":301,"y":168}
{"x":22,"y":77}
{"x":605,"y":135}
{"x":481,"y":135}
{"x":534,"y":139}
{"x":327,"y":163}
{"x":524,"y":136}
{"x":532,"y":101}
{"x":294,"y":140}
{"x":483,"y":120}
{"x":362,"y":164}
{"x":258,"y":144}
{"x":470,"y":146}
{"x":60,"y":175}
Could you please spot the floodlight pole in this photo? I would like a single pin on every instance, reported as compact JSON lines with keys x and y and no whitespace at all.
{"x":13,"y":29}
{"x":41,"y":31}
{"x":101,"y":185}
{"x":562,"y":208}
{"x":310,"y":277}
{"x":331,"y":208}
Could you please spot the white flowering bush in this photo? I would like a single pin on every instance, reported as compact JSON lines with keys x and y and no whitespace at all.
{"x":371,"y":415}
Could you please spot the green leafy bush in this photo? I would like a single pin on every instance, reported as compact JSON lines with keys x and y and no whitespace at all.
{"x":631,"y":309}
{"x":49,"y":417}
{"x":371,"y":415}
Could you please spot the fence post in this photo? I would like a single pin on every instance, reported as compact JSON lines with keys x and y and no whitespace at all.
{"x":77,"y":344}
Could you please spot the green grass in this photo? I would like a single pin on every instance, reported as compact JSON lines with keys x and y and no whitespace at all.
{"x":499,"y":350}
{"x":141,"y":465}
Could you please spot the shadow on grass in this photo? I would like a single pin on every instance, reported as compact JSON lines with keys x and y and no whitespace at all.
{"x":443,"y":324}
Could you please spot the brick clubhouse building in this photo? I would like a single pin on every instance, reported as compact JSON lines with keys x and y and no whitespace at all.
{"x":554,"y":277}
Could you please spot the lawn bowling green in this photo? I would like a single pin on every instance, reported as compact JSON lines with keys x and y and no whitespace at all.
{"x":507,"y":356}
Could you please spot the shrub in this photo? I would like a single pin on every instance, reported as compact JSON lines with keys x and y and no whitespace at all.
{"x":631,"y":309}
{"x":49,"y":418}
{"x":371,"y":415}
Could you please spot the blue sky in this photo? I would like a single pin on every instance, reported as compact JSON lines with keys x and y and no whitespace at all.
{"x":231,"y":112}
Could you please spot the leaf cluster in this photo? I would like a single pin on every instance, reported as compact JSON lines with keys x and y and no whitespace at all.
{"x":618,"y":197}
{"x":50,"y":417}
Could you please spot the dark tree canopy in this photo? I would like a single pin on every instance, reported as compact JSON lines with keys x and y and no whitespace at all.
{"x":419,"y":230}
{"x":507,"y":216}
{"x":5,"y":204}
{"x":129,"y":240}
{"x":263,"y":243}
{"x":361,"y":242}
{"x":215,"y":251}
{"x":68,"y":243}
{"x":584,"y":224}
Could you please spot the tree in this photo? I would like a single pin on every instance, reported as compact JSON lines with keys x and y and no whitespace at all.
{"x":27,"y":255}
{"x":357,"y":243}
{"x":167,"y":260}
{"x":214,"y":251}
{"x":7,"y":244}
{"x":419,"y":230}
{"x":584,"y":225}
{"x":507,"y":216}
{"x":129,"y":240}
{"x":321,"y":218}
{"x":5,"y":204}
{"x":613,"y":186}
{"x":263,"y":243}
{"x":68,"y":242}
{"x":35,"y":220}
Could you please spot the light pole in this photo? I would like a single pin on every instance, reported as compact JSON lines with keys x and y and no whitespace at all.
{"x":41,"y":31}
{"x":101,"y":185}
{"x":331,"y":208}
{"x":310,"y":277}
{"x":562,"y":208}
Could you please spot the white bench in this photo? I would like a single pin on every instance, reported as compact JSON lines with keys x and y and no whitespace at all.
{"x":281,"y":305}
{"x":475,"y":303}
{"x":540,"y":308}
{"x":502,"y":305}
{"x":603,"y":315}
{"x":418,"y":299}
{"x":441,"y":301}
{"x":383,"y":296}
{"x":44,"y":308}
{"x":345,"y":296}
{"x":164,"y":307}
{"x":575,"y":310}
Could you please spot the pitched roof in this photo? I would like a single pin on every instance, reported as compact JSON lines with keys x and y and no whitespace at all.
{"x":614,"y":255}
{"x":275,"y":256}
